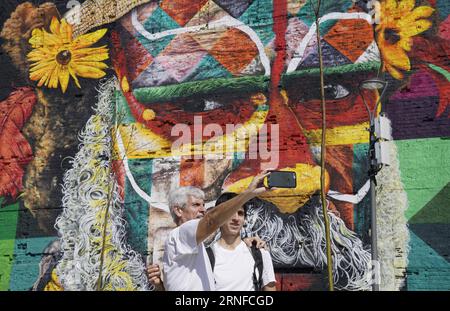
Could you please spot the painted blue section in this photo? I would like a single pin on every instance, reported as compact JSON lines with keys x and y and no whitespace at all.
{"x":27,"y":255}
{"x":443,"y":7}
{"x":239,"y":157}
{"x":427,"y":270}
{"x":306,"y":13}
{"x":136,"y":209}
{"x":209,"y":68}
{"x":259,"y":17}
{"x":123,"y":112}
{"x":159,"y":21}
{"x":361,"y":211}
{"x":331,"y":57}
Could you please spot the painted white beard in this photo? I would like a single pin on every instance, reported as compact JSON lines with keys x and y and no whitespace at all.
{"x":393,"y":234}
{"x":296,"y":240}
{"x":88,"y":198}
{"x":300,"y":239}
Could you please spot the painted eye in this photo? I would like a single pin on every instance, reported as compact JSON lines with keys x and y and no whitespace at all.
{"x":97,"y":195}
{"x":202,"y":105}
{"x":212,"y":104}
{"x":335,"y":91}
{"x":310,"y":91}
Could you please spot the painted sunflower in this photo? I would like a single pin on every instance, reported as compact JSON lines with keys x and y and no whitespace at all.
{"x":399,"y":22}
{"x":56,"y":56}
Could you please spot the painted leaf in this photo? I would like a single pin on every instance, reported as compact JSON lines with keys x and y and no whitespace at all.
{"x":15,"y":151}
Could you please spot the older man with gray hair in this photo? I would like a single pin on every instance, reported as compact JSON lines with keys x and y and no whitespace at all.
{"x":186,"y":266}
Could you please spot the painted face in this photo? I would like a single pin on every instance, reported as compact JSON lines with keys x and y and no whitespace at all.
{"x":194,"y":209}
{"x":234,"y":225}
{"x":190,"y":75}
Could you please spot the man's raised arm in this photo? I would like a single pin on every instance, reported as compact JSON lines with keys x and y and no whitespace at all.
{"x":220,"y":214}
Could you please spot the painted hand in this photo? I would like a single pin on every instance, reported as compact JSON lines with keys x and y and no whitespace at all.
{"x":259,"y":243}
{"x":154,"y":276}
{"x":256,"y":187}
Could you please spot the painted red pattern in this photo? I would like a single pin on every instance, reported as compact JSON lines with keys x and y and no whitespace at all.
{"x":15,"y":151}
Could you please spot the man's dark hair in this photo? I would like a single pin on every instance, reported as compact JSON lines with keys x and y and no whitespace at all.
{"x":256,"y":253}
{"x":228,"y":196}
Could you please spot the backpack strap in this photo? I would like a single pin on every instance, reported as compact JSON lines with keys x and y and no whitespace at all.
{"x":211,"y":257}
{"x":257,"y":256}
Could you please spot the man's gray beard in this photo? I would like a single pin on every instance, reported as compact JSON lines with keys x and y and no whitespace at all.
{"x":299,"y":240}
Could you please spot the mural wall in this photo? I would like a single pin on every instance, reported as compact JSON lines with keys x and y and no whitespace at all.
{"x":108,"y":105}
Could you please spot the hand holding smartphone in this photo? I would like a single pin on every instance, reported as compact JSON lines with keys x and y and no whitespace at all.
{"x":282,"y":179}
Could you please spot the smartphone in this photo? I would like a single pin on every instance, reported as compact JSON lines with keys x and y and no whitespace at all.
{"x":282,"y":179}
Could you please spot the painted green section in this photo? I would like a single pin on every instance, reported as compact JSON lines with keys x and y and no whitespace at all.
{"x":260,"y":16}
{"x":425,"y":170}
{"x":8,"y":223}
{"x":263,"y":108}
{"x":123,"y":112}
{"x":136,"y":208}
{"x":436,"y":211}
{"x":209,"y":68}
{"x":159,"y":21}
{"x":336,"y":70}
{"x":201,"y":88}
{"x":427,"y":270}
{"x":442,"y":71}
{"x":238,"y":159}
{"x":443,"y":8}
{"x":307,"y":15}
{"x":361,"y":212}
{"x":27,"y":255}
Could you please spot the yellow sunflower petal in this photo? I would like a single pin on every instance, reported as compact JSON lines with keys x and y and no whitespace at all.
{"x":37,"y":38}
{"x":54,"y":26}
{"x":41,"y":64}
{"x":50,"y":40}
{"x":416,"y":28}
{"x":46,"y":76}
{"x":97,"y":57}
{"x":406,"y":44}
{"x":406,"y":6}
{"x":421,"y":12}
{"x":38,"y":56}
{"x":38,"y":73}
{"x":64,"y":78}
{"x":389,"y":5}
{"x":88,"y":72}
{"x":394,"y":72}
{"x":98,"y":65}
{"x":66,"y":31}
{"x":86,"y":62}
{"x":411,"y":19}
{"x":53,"y":81}
{"x":89,"y":39}
{"x":43,"y":78}
{"x":396,"y":57}
{"x":74,"y":76}
{"x":89,"y":51}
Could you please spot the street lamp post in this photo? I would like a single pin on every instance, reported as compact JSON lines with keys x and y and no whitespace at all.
{"x":374,"y":167}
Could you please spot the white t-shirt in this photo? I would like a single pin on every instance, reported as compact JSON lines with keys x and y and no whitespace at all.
{"x":233,"y":269}
{"x":186,"y":265}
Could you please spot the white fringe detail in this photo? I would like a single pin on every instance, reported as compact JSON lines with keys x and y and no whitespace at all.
{"x":300,"y":239}
{"x":88,"y":188}
{"x":392,"y":229}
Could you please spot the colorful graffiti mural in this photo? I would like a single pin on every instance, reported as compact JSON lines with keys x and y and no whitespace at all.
{"x":106,"y":113}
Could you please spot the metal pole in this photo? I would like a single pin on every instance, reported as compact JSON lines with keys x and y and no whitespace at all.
{"x":373,"y":84}
{"x":373,"y":211}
